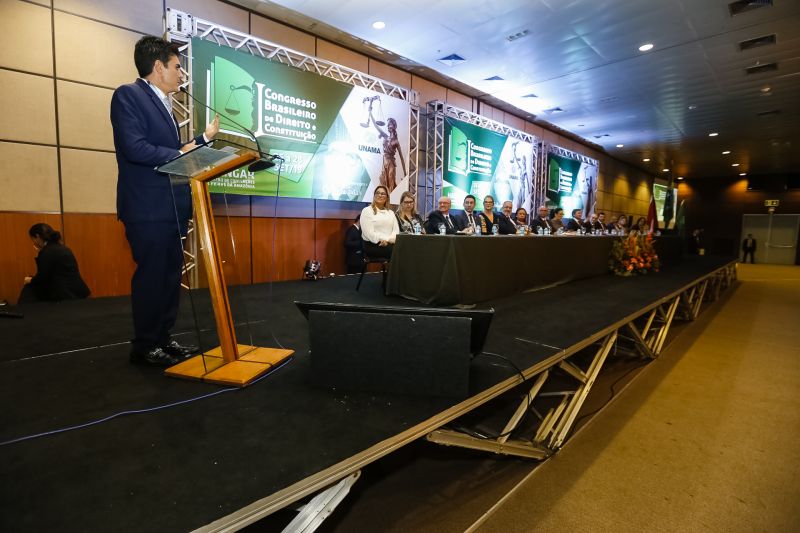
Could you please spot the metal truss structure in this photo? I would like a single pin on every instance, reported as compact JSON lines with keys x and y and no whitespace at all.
{"x":563,"y":152}
{"x":556,"y":412}
{"x":437,"y":112}
{"x":182,"y":27}
{"x":542,"y":175}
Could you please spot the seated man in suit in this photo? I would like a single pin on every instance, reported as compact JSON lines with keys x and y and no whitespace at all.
{"x":469,"y":220}
{"x":507,"y":210}
{"x":576,"y":222}
{"x":441,"y":216}
{"x":352,"y":246}
{"x":594,"y":224}
{"x":542,"y":222}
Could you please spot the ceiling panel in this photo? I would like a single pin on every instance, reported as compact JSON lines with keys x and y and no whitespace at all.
{"x":582,"y":56}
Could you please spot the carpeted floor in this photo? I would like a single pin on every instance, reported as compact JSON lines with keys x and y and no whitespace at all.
{"x":175,"y":461}
{"x":705,"y":439}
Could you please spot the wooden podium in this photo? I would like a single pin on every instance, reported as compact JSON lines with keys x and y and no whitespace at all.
{"x":230,"y":363}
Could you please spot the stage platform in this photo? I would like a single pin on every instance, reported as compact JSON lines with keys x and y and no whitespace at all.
{"x":147,"y":453}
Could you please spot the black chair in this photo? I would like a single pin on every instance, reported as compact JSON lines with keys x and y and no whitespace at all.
{"x":365,"y":261}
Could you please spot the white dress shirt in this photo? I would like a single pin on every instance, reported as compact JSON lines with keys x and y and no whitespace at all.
{"x":380,"y":226}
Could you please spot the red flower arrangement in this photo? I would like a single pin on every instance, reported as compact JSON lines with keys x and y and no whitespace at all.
{"x":634,"y":254}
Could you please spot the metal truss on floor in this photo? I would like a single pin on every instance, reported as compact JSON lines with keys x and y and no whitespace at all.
{"x":642,"y":334}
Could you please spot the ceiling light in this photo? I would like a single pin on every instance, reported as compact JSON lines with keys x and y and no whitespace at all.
{"x":378,"y":24}
{"x":766,"y":89}
{"x":743,"y":173}
{"x":620,"y":145}
{"x":726,"y":152}
{"x":646,"y":159}
{"x":519,"y":35}
{"x":646,"y":47}
{"x":692,"y":107}
{"x":680,"y":177}
{"x":664,"y":170}
{"x":735,"y":165}
{"x":713,"y":134}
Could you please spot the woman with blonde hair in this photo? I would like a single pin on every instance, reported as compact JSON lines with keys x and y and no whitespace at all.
{"x":490,"y":218}
{"x":379,"y":226}
{"x":407,"y":216}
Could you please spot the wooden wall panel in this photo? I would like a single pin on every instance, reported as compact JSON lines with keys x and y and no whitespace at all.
{"x":293,"y":243}
{"x":513,"y":121}
{"x":28,"y":178}
{"x":222,"y":13}
{"x":342,"y":56}
{"x":83,"y":116}
{"x":17,"y":254}
{"x":27,"y":105}
{"x":233,"y":238}
{"x":330,"y":245}
{"x":533,"y":129}
{"x":89,"y":181}
{"x":141,"y":15}
{"x":459,"y":100}
{"x":427,"y":90}
{"x":109,"y":65}
{"x":279,"y":34}
{"x":104,"y":257}
{"x":389,"y":73}
{"x":18,"y":21}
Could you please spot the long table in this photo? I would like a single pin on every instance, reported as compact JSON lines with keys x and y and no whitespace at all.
{"x":462,"y":269}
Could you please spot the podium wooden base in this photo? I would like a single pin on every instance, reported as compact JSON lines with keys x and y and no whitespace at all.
{"x":210,"y":367}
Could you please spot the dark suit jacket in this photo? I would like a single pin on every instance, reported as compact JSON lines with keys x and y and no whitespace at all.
{"x":145,"y":136}
{"x":750,"y":248}
{"x":543,"y":223}
{"x":504,"y":225}
{"x":596,"y":226}
{"x":462,"y":221}
{"x":435,"y":218}
{"x":573,"y":225}
{"x":352,"y":245}
{"x":57,"y":275}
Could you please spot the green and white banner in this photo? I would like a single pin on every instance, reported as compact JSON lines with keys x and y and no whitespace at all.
{"x":571,"y":184}
{"x":480,"y":162}
{"x":338,"y":141}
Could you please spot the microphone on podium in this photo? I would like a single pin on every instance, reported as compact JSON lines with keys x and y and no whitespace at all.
{"x":266,"y":161}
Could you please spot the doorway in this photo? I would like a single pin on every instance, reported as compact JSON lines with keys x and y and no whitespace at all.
{"x":775,"y":235}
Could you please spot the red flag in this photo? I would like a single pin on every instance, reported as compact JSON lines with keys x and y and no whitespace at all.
{"x":652,"y":221}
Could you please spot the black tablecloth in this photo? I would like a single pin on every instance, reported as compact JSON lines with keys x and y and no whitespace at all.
{"x":461,"y":269}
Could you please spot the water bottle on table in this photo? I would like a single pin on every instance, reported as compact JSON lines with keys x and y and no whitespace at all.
{"x":442,"y":229}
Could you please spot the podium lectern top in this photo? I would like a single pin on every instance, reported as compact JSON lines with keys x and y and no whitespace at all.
{"x":204,"y":159}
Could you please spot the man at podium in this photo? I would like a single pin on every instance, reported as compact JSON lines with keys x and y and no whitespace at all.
{"x":155,"y":212}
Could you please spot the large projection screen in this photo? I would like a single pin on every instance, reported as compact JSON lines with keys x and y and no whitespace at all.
{"x":482,"y":162}
{"x":338,"y":141}
{"x":571,"y":184}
